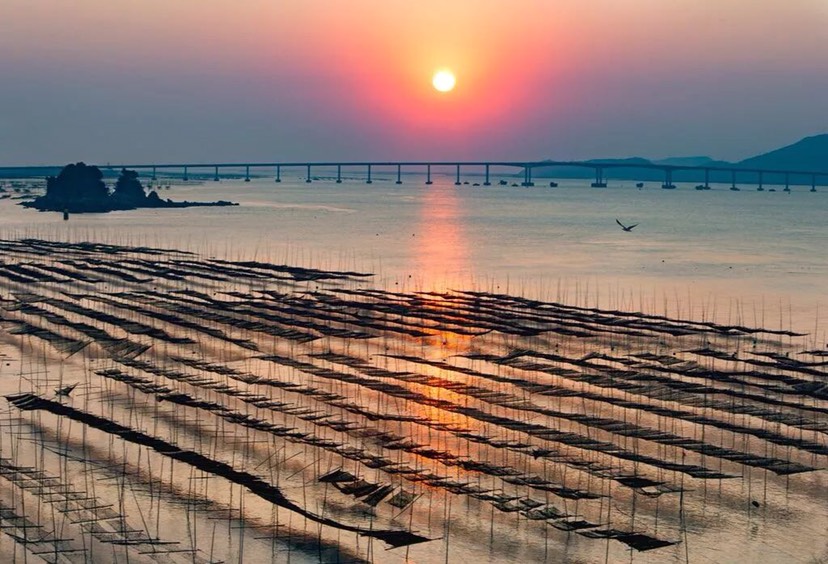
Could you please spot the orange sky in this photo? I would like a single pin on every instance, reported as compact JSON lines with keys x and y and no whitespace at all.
{"x":323,"y":78}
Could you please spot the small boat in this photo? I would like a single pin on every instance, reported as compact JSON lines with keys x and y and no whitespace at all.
{"x":639,"y":185}
{"x":503,"y":183}
{"x":553,"y":184}
{"x":772,"y":190}
{"x":700,"y":187}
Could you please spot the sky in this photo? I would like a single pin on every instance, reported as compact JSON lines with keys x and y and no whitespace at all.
{"x":280,"y":80}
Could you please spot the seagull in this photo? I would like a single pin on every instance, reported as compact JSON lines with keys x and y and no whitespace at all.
{"x":624,"y":227}
{"x":66,"y":390}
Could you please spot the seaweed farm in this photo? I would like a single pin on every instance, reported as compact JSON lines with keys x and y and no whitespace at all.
{"x":161,"y":405}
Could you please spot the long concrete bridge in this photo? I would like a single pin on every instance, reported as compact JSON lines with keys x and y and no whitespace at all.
{"x":485,"y":167}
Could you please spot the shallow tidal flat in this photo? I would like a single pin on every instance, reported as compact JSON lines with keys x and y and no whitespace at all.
{"x":229,"y":410}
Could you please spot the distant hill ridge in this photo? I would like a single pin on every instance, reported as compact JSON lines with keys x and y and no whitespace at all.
{"x":809,"y":154}
{"x":692,"y":161}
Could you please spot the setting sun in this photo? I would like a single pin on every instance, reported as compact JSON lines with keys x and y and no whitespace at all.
{"x":444,"y":81}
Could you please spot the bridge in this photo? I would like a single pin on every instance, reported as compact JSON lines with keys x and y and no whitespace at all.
{"x":759,"y":176}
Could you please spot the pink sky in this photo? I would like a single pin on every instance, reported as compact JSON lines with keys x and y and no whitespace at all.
{"x":204,"y":80}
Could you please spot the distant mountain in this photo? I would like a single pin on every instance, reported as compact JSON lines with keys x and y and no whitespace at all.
{"x":628,"y":169}
{"x":692,"y":161}
{"x":632,"y":161}
{"x":809,"y":154}
{"x":632,"y":171}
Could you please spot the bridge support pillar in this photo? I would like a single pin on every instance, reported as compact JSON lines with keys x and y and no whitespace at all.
{"x":428,"y":174}
{"x":486,"y":182}
{"x":369,"y":181}
{"x":813,"y":183}
{"x":733,"y":180}
{"x":216,"y":176}
{"x":308,"y":175}
{"x":527,"y":176}
{"x":186,"y":177}
{"x":339,"y":174}
{"x":399,"y":172}
{"x":154,"y":177}
{"x":599,"y":178}
{"x":787,"y":182}
{"x":668,"y":179}
{"x":278,"y":173}
{"x":707,"y":179}
{"x":247,"y":173}
{"x":457,"y":177}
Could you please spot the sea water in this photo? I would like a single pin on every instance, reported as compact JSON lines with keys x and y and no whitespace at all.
{"x":746,"y":256}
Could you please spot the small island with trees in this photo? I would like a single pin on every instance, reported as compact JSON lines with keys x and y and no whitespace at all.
{"x":80,"y":188}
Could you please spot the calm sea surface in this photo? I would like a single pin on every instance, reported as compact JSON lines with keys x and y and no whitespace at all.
{"x":755,"y":257}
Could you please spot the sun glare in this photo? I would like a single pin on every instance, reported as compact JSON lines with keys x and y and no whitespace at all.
{"x":443,"y":81}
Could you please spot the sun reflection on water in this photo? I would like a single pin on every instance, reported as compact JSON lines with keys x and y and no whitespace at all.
{"x":441,"y":251}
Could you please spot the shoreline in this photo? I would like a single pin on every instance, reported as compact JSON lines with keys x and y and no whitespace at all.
{"x":99,"y":208}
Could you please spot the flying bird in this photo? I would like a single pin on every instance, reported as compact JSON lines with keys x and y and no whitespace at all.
{"x":66,"y":390}
{"x":624,"y":227}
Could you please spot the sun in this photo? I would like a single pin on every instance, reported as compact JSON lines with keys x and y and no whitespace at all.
{"x":444,"y":80}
